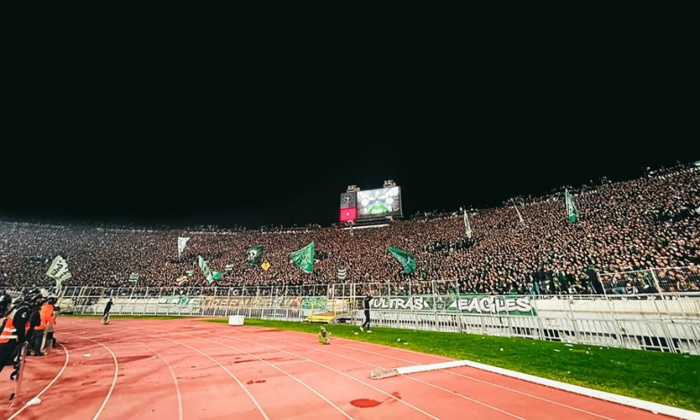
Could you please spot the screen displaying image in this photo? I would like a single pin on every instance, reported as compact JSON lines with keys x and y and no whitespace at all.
{"x":379,"y":203}
{"x":348,"y":215}
{"x":348,"y":200}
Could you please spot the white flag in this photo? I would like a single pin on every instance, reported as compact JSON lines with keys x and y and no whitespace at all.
{"x":59,"y":269}
{"x":467,"y":226}
{"x":59,"y":272}
{"x":181,"y":243}
{"x":518,"y":211}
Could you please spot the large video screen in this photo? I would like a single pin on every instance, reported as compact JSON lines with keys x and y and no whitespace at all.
{"x":379,"y":203}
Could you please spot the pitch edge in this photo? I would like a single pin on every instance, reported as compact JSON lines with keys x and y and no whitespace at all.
{"x":601,"y":395}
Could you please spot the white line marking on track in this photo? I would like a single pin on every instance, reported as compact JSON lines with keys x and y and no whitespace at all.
{"x":344,"y":374}
{"x":114,"y":381}
{"x":177,"y":385}
{"x":172,"y":373}
{"x":417,"y":380}
{"x":473,"y":379}
{"x":340,"y":410}
{"x":529,"y":395}
{"x":252,"y":398}
{"x":46,"y":388}
{"x":290,"y":362}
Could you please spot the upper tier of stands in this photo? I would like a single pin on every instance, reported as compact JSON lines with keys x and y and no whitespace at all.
{"x":652,"y":221}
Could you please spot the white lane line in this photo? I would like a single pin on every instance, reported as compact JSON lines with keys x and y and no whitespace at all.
{"x":114,"y":381}
{"x":530,"y":395}
{"x":344,"y":374}
{"x":172,"y":373}
{"x":177,"y":385}
{"x":252,"y":398}
{"x":416,"y":380}
{"x":340,"y":410}
{"x":109,"y":393}
{"x":574,"y":389}
{"x":46,"y":388}
{"x":476,"y":380}
{"x":290,"y":362}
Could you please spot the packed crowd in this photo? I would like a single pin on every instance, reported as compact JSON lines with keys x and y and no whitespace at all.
{"x":649,"y":222}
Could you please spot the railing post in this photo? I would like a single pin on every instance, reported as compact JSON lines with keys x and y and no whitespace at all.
{"x":457,"y":310}
{"x":80,"y":301}
{"x":437,"y":324}
{"x":656,"y":282}
{"x":145,"y":305}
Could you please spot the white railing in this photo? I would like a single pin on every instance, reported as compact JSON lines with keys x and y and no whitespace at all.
{"x":663,"y":321}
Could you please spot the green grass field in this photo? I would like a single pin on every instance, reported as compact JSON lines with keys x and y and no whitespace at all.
{"x":671,"y":379}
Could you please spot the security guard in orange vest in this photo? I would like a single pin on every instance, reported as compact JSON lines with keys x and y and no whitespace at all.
{"x":43,"y":317}
{"x":50,"y":341}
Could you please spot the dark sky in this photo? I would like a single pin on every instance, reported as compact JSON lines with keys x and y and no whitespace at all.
{"x":261,"y":131}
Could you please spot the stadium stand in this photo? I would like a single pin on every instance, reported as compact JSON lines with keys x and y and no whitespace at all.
{"x":649,"y":222}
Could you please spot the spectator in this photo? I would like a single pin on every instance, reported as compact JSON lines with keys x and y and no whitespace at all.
{"x":632,"y":225}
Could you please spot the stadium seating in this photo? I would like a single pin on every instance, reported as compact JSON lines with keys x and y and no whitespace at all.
{"x":651,"y":221}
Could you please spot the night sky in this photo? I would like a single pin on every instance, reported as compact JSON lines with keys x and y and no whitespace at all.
{"x":271,"y":131}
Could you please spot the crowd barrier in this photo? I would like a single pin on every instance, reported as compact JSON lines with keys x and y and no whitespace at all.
{"x":667,"y":321}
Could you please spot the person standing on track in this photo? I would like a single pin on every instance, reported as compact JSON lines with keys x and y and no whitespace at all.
{"x":50,"y":328}
{"x":43,"y":329}
{"x":38,"y":328}
{"x":105,"y":314}
{"x":365,"y":305}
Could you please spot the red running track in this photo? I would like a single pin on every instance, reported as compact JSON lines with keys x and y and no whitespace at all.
{"x":188,"y":369}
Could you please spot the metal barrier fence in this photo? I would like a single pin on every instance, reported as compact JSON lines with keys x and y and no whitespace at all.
{"x":654,"y":280}
{"x":662,"y":321}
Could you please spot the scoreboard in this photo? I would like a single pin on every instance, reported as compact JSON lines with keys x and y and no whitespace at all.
{"x":371,"y":204}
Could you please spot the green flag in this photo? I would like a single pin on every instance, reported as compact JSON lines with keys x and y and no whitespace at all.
{"x":211,"y":276}
{"x":404,"y":258}
{"x":304,"y":258}
{"x":253,"y":255}
{"x":571,"y":210}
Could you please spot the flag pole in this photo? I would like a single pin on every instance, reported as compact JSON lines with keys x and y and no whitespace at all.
{"x":518,"y":211}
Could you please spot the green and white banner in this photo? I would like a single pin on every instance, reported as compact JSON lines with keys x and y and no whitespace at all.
{"x":468,"y":304}
{"x":210,"y":275}
{"x":314,"y":302}
{"x":304,"y":258}
{"x":571,"y":210}
{"x":253,"y":255}
{"x":404,"y":258}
